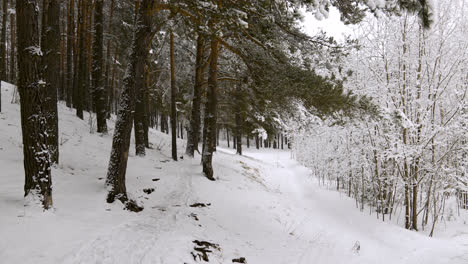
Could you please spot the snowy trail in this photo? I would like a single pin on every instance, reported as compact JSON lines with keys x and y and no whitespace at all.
{"x":336,"y":224}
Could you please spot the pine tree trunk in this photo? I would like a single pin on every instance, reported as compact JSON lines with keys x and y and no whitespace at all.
{"x":193,"y":134}
{"x":70,"y":43}
{"x":3,"y":70}
{"x":139,"y":115}
{"x":99,"y":91}
{"x":238,"y":126}
{"x":82,"y":60}
{"x":50,"y":47}
{"x":257,"y":143}
{"x":123,"y":127}
{"x":146,"y":119}
{"x":282,"y":140}
{"x":63,"y":55}
{"x":173,"y":100}
{"x":227,"y":137}
{"x":88,"y":92}
{"x":12,"y":46}
{"x":108,"y":61}
{"x":33,"y":93}
{"x":210,"y":111}
{"x":112,"y":96}
{"x":3,"y":57}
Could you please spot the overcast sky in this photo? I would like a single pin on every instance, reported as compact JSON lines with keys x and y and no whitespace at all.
{"x":332,"y":25}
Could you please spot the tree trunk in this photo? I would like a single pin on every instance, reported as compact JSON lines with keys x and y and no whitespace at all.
{"x":193,"y":134}
{"x":146,"y":120}
{"x":257,"y":143}
{"x":3,"y":57}
{"x":33,"y":93}
{"x":227,"y":136}
{"x":139,"y":132}
{"x":12,"y":47}
{"x":282,"y":140}
{"x":51,"y":61}
{"x":70,"y":36}
{"x":108,"y":61}
{"x":112,"y":96}
{"x":123,"y":127}
{"x":99,"y":91}
{"x":3,"y":69}
{"x":82,"y":60}
{"x":63,"y":54}
{"x":238,"y":118}
{"x":210,"y":111}
{"x":173,"y":100}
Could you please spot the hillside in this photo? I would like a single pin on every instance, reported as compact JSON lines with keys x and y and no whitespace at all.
{"x":264,"y":207}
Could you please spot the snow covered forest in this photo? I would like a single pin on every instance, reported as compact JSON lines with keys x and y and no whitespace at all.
{"x":220,"y":131}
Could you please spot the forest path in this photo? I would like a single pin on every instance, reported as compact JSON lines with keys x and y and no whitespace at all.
{"x":335,"y":223}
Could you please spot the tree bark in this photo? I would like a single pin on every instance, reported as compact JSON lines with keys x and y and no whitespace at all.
{"x":173,"y":100}
{"x":123,"y":127}
{"x":82,"y":59}
{"x":210,"y":111}
{"x":50,"y":46}
{"x":108,"y":61}
{"x":257,"y":143}
{"x":12,"y":47}
{"x":99,"y":91}
{"x":33,"y":93}
{"x":70,"y":43}
{"x":3,"y":61}
{"x":193,"y":135}
{"x":238,"y":118}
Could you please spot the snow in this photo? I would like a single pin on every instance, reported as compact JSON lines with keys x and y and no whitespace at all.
{"x":264,"y":207}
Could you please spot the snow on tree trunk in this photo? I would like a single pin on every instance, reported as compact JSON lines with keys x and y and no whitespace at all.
{"x":51,"y":61}
{"x":33,"y":93}
{"x":123,"y":126}
{"x":193,"y":134}
{"x":210,"y":111}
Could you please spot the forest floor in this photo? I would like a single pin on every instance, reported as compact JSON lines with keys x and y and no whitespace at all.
{"x":264,"y":207}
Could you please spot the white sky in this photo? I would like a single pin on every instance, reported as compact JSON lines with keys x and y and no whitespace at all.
{"x":332,"y":25}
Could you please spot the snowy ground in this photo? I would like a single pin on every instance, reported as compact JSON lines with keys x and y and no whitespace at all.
{"x":264,"y":207}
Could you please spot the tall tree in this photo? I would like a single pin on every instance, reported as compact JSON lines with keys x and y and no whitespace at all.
{"x":3,"y":68}
{"x":210,"y":110}
{"x":12,"y":46}
{"x":139,"y":114}
{"x":82,"y":59}
{"x":123,"y":127}
{"x":33,"y":93}
{"x":3,"y":57}
{"x":193,"y":135}
{"x":51,"y":47}
{"x":173,"y":100}
{"x":99,"y":92}
{"x":107,"y":74}
{"x":70,"y":44}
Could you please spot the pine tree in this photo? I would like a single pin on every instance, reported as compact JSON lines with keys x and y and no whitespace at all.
{"x":51,"y":61}
{"x":123,"y":127}
{"x":70,"y":44}
{"x":81,"y":71}
{"x":33,"y":93}
{"x":12,"y":45}
{"x":210,"y":111}
{"x":193,"y":135}
{"x":99,"y":92}
{"x":173,"y":99}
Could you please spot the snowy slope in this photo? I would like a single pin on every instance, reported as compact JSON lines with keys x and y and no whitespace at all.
{"x":263,"y":207}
